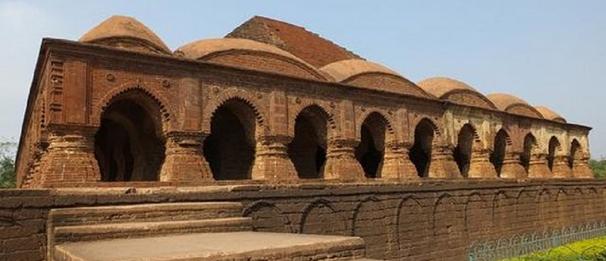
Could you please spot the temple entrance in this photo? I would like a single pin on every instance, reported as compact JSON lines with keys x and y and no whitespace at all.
{"x":127,"y":144}
{"x":529,"y":145}
{"x":464,"y":149}
{"x":371,"y":149}
{"x":307,"y":150}
{"x":554,"y":145}
{"x":500,"y":148}
{"x":230,"y":147}
{"x":420,"y":153}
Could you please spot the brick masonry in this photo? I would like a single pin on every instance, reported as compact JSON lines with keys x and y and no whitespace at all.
{"x":407,"y":221}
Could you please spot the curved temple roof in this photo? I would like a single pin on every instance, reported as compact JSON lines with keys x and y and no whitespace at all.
{"x":125,"y":32}
{"x":513,"y":104}
{"x":371,"y":75}
{"x":220,"y":51}
{"x":455,"y":91}
{"x":549,"y":114}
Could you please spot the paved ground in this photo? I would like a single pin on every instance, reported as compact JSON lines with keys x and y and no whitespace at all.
{"x":200,"y":245}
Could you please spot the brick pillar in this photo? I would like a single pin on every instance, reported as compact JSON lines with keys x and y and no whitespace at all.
{"x":396,"y":163}
{"x":341,"y":162}
{"x":538,"y":166}
{"x":442,"y":163}
{"x":69,"y":159}
{"x":271,"y":159}
{"x":512,"y":167}
{"x":580,"y":167}
{"x":184,"y":161}
{"x":560,"y":167}
{"x":480,"y":165}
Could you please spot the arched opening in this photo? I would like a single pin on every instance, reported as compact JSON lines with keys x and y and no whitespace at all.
{"x":464,"y":148}
{"x":554,"y":145}
{"x":371,"y":149}
{"x":128,"y":146}
{"x":500,"y":148}
{"x":529,"y":145}
{"x":307,"y":150}
{"x":575,"y":148}
{"x":230,"y":147}
{"x":420,"y":153}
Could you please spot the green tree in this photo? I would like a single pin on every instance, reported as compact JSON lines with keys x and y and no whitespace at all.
{"x":7,"y":164}
{"x":598,"y":167}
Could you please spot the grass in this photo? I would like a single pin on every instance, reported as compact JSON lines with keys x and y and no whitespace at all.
{"x":591,"y":249}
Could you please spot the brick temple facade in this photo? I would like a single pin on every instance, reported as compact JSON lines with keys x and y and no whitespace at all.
{"x":269,"y":133}
{"x":270,"y":102}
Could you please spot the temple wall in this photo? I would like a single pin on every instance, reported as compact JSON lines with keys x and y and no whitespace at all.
{"x":423,"y":221}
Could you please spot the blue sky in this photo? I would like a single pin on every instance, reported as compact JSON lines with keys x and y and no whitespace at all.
{"x":547,"y":52}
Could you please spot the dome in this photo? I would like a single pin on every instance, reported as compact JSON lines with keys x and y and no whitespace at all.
{"x":549,"y":114}
{"x":455,"y":91}
{"x":127,"y":33}
{"x":514,"y":105}
{"x":249,"y":54}
{"x":371,"y":75}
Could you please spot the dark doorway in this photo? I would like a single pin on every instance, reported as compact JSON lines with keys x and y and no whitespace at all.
{"x":371,"y":150}
{"x":307,"y":150}
{"x":554,"y":145}
{"x":420,"y":153}
{"x":464,"y":148}
{"x":574,"y":151}
{"x":230,"y":148}
{"x":529,"y":144}
{"x":127,"y":144}
{"x":500,"y":148}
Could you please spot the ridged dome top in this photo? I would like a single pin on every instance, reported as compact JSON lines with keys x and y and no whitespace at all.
{"x":371,"y":75}
{"x":234,"y":52}
{"x":456,"y":91}
{"x":125,"y":32}
{"x":549,"y":114}
{"x":512,"y":104}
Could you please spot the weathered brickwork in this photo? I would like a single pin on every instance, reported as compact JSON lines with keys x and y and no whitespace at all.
{"x":119,"y":106}
{"x":406,"y":221}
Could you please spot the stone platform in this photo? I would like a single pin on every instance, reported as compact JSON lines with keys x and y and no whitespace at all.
{"x":216,"y":246}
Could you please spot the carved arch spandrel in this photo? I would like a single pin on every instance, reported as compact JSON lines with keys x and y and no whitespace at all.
{"x":385,"y":115}
{"x":218,"y":97}
{"x":438,"y":137}
{"x":162,"y":102}
{"x":321,"y":217}
{"x":369,"y":222}
{"x":267,"y":217}
{"x":297,"y":104}
{"x":412,"y":225}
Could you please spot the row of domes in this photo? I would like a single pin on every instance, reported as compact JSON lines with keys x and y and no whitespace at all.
{"x":128,"y":33}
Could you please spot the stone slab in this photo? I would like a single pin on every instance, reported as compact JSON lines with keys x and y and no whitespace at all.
{"x":216,"y":246}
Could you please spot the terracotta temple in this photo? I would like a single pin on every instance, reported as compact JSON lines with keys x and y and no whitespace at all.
{"x":270,"y":102}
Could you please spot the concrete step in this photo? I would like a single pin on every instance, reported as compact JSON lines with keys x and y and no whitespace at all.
{"x":216,"y":246}
{"x":141,"y":229}
{"x":144,"y":212}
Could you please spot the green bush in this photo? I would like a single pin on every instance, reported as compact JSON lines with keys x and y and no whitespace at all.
{"x":585,"y":250}
{"x":7,"y":164}
{"x":598,"y":167}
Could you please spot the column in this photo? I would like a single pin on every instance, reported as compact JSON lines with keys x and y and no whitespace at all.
{"x":271,"y":160}
{"x":341,"y":162}
{"x":537,"y":167}
{"x":69,"y":159}
{"x":580,"y":167}
{"x":442,"y":163}
{"x":396,"y":162}
{"x":480,"y":165}
{"x":560,"y":168}
{"x":184,"y":160}
{"x":512,"y":166}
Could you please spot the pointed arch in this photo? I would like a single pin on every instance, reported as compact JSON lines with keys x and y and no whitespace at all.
{"x":554,"y":148}
{"x":375,"y":132}
{"x":468,"y":142}
{"x":575,"y":152}
{"x":129,"y":143}
{"x":425,"y":136}
{"x":307,"y":150}
{"x":501,"y":145}
{"x":529,"y":147}
{"x":230,"y":147}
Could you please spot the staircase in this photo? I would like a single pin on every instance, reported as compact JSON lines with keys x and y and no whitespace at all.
{"x":181,"y":231}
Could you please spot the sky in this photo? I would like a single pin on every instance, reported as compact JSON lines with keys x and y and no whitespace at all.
{"x":547,"y":52}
